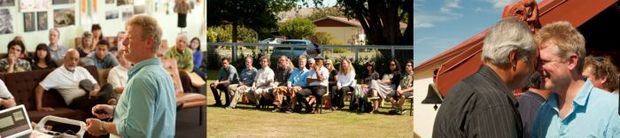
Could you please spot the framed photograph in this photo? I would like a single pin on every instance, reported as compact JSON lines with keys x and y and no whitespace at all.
{"x":124,"y":2}
{"x":34,"y":5}
{"x":55,"y":2}
{"x":138,"y":9}
{"x":6,"y":26}
{"x":127,"y":12}
{"x":29,"y":22}
{"x":109,"y":1}
{"x":41,"y":21}
{"x":6,"y":3}
{"x":64,"y":17}
{"x":111,"y":14}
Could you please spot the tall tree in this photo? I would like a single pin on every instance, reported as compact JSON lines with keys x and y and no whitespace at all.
{"x":297,"y":28}
{"x":259,"y":15}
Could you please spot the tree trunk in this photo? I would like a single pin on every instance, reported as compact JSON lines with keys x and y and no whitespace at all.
{"x":235,"y":31}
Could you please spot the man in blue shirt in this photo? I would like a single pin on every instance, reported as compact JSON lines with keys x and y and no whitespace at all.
{"x":296,"y":82}
{"x":575,"y":108}
{"x":147,"y":107}
{"x":245,"y":83}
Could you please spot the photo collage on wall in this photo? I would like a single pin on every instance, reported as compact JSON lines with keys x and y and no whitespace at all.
{"x":64,"y":16}
{"x":35,"y":14}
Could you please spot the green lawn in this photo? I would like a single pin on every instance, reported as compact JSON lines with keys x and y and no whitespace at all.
{"x":246,"y":121}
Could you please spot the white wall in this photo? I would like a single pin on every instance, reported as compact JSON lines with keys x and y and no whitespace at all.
{"x":343,"y":34}
{"x":196,"y":19}
{"x":423,"y":114}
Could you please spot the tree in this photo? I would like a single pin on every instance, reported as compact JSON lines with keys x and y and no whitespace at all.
{"x":297,"y":28}
{"x":223,"y":34}
{"x":258,"y":15}
{"x":324,"y":12}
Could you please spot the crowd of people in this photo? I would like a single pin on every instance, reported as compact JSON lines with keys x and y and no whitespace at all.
{"x":569,"y":93}
{"x":291,"y":88}
{"x":139,"y":95}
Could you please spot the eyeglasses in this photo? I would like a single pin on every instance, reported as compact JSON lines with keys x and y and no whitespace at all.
{"x":599,"y":59}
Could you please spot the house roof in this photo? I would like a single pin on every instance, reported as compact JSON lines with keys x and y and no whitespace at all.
{"x":464,"y":59}
{"x":334,"y":21}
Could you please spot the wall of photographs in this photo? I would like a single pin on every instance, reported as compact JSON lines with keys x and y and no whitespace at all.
{"x":32,"y":19}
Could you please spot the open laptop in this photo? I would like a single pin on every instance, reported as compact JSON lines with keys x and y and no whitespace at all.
{"x":14,"y":122}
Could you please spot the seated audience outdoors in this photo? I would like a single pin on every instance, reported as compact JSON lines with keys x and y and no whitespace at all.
{"x":226,"y":76}
{"x":602,"y":73}
{"x":404,"y":89}
{"x":102,"y":59}
{"x":246,"y":80}
{"x":87,"y":45}
{"x":385,"y":88}
{"x":263,"y":82}
{"x":42,"y":58}
{"x":75,"y":84}
{"x":482,"y":104}
{"x":530,"y":101}
{"x":345,"y":83}
{"x":575,"y":108}
{"x":147,"y":107}
{"x":282,"y":73}
{"x":117,"y":77}
{"x":367,"y":77}
{"x":317,"y":86}
{"x":13,"y":63}
{"x":197,"y":57}
{"x":6,"y":98}
{"x":56,"y":50}
{"x":296,"y":82}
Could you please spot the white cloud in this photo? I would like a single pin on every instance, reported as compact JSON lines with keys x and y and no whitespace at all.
{"x":450,"y":5}
{"x":427,"y":21}
{"x":499,"y":4}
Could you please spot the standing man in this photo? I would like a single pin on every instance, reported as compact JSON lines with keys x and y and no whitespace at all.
{"x":482,"y":105}
{"x":147,"y":107}
{"x":575,"y":108}
{"x":225,"y":77}
{"x":56,"y":50}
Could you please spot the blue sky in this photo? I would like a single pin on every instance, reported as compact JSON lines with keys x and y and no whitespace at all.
{"x":442,"y":24}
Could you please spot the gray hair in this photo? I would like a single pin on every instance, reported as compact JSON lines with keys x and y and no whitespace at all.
{"x":183,"y":36}
{"x":506,"y":36}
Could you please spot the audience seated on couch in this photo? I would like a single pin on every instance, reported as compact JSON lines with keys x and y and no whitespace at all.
{"x":13,"y":62}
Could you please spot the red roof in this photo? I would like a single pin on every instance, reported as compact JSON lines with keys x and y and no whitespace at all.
{"x":465,"y":58}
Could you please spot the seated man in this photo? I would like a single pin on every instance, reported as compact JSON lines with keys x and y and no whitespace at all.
{"x":404,"y":90}
{"x":184,"y":58}
{"x":282,"y":74}
{"x":72,"y":81}
{"x":13,"y":63}
{"x":296,"y":82}
{"x":6,"y":99}
{"x":118,"y":75}
{"x":247,"y":79}
{"x":262,"y":83}
{"x":317,"y":85}
{"x":102,"y":58}
{"x":226,"y":76}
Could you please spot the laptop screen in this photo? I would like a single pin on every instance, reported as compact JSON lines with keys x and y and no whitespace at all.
{"x":14,"y":122}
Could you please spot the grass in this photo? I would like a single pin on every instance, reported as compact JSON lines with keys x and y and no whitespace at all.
{"x":246,"y":121}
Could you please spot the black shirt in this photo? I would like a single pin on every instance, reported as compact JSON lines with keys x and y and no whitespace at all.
{"x":529,"y":103}
{"x":481,"y":105}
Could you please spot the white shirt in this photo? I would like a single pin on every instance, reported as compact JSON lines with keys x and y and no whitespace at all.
{"x":344,"y":80}
{"x":4,"y":92}
{"x":118,"y":76}
{"x":67,"y":82}
{"x":313,"y":75}
{"x":264,"y":76}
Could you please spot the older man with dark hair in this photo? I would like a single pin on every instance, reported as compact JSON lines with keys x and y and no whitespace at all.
{"x":482,"y":105}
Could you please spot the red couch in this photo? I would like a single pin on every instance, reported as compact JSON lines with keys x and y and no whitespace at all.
{"x":23,"y":84}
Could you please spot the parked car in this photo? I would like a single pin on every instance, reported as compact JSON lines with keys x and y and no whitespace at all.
{"x":310,"y":49}
{"x":271,"y":41}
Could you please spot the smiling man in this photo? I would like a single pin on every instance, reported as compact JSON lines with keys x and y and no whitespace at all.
{"x":575,"y":108}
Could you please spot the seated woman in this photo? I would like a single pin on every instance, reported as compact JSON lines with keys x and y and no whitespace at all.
{"x":195,"y":46}
{"x":385,"y":88}
{"x":42,"y":59}
{"x":13,"y":63}
{"x":345,"y":83}
{"x":87,"y":45}
{"x":331,"y":85}
{"x":404,"y":90}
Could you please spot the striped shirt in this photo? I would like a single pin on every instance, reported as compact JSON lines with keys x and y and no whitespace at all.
{"x":481,"y":105}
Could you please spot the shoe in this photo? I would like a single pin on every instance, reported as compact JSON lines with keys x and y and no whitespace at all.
{"x":228,"y":108}
{"x":275,"y":110}
{"x":217,"y":104}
